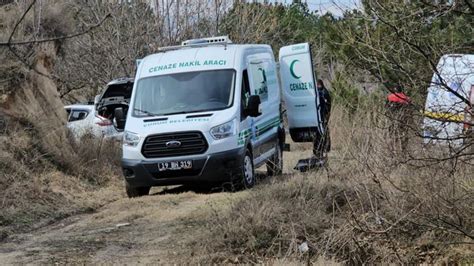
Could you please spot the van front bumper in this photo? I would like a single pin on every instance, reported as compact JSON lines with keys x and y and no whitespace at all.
{"x":217,"y":167}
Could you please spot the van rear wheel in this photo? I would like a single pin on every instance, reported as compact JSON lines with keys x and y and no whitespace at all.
{"x":275,"y":164}
{"x":134,"y":192}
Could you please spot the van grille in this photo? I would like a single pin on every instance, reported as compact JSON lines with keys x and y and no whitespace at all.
{"x":192,"y":142}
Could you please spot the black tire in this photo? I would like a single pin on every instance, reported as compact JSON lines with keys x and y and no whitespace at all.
{"x":134,"y":192}
{"x":246,"y":178}
{"x":275,"y":164}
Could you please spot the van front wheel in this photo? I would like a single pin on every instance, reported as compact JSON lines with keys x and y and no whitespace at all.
{"x":134,"y":192}
{"x":247,"y":177}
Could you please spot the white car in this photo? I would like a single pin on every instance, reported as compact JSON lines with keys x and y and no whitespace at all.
{"x":82,"y":120}
{"x":99,"y":119}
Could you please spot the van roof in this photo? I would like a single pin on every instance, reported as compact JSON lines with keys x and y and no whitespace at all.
{"x":456,"y":64}
{"x":458,"y":55}
{"x":186,"y":59}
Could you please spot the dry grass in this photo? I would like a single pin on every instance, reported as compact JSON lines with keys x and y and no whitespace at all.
{"x":43,"y":173}
{"x":370,"y":205}
{"x":37,"y":187}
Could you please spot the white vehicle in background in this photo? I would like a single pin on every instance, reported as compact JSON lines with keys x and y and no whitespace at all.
{"x":83,"y":120}
{"x":80,"y":119}
{"x":98,"y":119}
{"x":116,"y":95}
{"x":210,"y":111}
{"x":448,"y":108}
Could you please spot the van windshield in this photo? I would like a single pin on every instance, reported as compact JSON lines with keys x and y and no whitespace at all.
{"x":184,"y":93}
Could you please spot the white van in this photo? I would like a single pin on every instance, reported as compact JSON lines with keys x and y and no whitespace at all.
{"x":449,"y":101}
{"x":205,"y":111}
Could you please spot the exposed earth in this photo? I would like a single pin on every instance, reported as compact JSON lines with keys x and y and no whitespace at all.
{"x":151,"y":229}
{"x":164,"y":227}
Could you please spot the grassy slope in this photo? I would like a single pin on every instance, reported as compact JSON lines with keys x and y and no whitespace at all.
{"x":365,"y":207}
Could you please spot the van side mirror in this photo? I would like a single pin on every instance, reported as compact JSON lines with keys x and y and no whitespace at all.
{"x":253,"y":106}
{"x":119,"y":117}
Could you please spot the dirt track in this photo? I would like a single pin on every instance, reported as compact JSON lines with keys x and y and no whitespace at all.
{"x":152,"y":229}
{"x":164,"y":227}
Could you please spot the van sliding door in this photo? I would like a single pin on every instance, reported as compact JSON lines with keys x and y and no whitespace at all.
{"x":299,"y":92}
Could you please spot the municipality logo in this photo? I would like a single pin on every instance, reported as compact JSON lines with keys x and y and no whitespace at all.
{"x":292,"y":69}
{"x":298,"y":84}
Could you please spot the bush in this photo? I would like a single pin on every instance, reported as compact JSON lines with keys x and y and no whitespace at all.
{"x":370,"y":205}
{"x":43,"y":173}
{"x":344,"y":92}
{"x":35,"y":186}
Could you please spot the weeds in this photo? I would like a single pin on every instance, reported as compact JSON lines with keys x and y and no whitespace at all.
{"x":35,"y":185}
{"x":44,"y":174}
{"x":368,"y":206}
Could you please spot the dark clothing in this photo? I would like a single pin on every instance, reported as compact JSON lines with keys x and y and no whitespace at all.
{"x":322,"y":142}
{"x":325,"y":104}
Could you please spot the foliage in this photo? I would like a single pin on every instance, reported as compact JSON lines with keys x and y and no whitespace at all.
{"x":363,"y":207}
{"x":402,"y":43}
{"x":344,"y":92}
{"x":108,"y":52}
{"x":276,"y":25}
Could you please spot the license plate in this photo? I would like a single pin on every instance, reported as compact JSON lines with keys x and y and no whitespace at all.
{"x":175,"y":165}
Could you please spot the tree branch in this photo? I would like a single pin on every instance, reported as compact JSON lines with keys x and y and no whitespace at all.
{"x":9,"y":43}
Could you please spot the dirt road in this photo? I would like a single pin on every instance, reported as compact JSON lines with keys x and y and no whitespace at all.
{"x":152,"y":229}
{"x":164,"y":227}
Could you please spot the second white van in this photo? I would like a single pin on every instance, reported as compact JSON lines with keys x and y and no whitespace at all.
{"x":448,"y":107}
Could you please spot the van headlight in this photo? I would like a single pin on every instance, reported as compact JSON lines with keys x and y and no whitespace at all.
{"x":224,"y":131}
{"x":130,"y":139}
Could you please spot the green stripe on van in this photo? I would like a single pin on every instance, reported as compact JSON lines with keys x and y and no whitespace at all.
{"x":260,"y":129}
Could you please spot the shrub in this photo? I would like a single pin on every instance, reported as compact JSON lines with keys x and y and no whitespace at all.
{"x":371,"y":204}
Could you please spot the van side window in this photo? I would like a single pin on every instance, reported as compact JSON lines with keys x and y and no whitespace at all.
{"x":245,"y":93}
{"x":259,"y":72}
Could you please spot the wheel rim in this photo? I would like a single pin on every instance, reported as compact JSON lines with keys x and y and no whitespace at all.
{"x":248,"y":170}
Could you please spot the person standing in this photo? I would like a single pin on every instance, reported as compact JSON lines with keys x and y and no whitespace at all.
{"x":322,"y":142}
